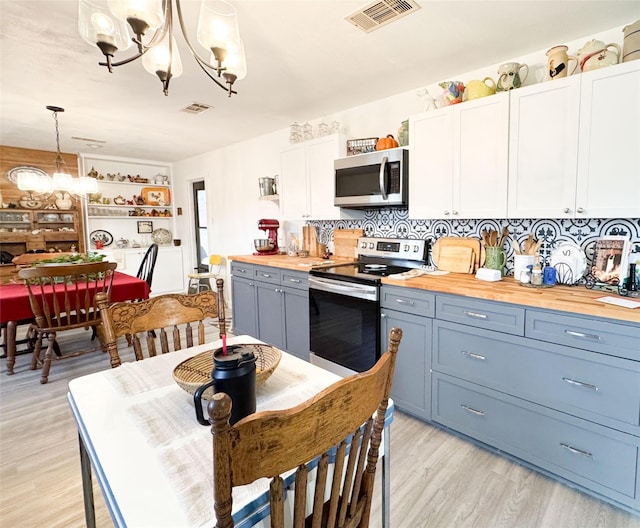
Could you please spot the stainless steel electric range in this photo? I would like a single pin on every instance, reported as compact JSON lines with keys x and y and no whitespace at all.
{"x":344,"y":303}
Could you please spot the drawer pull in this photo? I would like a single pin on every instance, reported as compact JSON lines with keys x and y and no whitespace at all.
{"x":241,"y":270}
{"x":576,"y":451}
{"x":476,"y":315}
{"x":581,"y":384}
{"x":472,"y":410}
{"x":402,"y":301}
{"x":473,"y":355}
{"x":297,"y":281}
{"x":266,"y":275}
{"x":580,"y":334}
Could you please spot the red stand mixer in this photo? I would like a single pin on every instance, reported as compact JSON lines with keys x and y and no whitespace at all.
{"x":269,"y":245}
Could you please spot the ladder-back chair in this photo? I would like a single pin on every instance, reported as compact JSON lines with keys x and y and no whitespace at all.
{"x":272,"y":443}
{"x":158,"y":325}
{"x":63,"y":297}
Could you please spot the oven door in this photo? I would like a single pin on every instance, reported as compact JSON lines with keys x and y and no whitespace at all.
{"x":344,"y":322}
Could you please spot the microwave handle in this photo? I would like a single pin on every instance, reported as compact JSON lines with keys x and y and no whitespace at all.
{"x":383,"y":171}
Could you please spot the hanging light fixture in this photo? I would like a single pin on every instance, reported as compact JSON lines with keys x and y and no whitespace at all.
{"x":41,"y":183}
{"x":113,"y":26}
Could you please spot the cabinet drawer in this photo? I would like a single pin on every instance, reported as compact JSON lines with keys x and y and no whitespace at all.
{"x":408,"y":300}
{"x":239,"y":269}
{"x":295,"y":279}
{"x":483,"y":314}
{"x":264,"y":274}
{"x":593,"y":456}
{"x":616,"y":339}
{"x":594,"y":386}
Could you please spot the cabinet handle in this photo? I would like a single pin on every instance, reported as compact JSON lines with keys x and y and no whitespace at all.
{"x":476,"y":315}
{"x":383,"y":315}
{"x":472,"y":410}
{"x":576,"y":451}
{"x":581,"y":384}
{"x":402,"y":301}
{"x":580,"y":210}
{"x":567,"y":210}
{"x":474,"y":355}
{"x":446,"y":213}
{"x":455,"y":213}
{"x":297,"y":281}
{"x":241,"y":270}
{"x":580,"y":334}
{"x":266,"y":275}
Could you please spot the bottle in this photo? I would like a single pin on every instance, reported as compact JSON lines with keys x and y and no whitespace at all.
{"x":633,"y":285}
{"x":536,"y":275}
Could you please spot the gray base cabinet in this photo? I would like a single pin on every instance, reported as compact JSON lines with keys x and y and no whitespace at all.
{"x":558,"y":391}
{"x":272,"y":305}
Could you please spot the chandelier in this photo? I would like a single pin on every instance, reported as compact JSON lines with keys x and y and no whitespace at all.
{"x":114,"y":26}
{"x":40,"y":182}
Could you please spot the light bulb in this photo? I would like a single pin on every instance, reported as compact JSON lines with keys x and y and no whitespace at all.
{"x":157,"y":59}
{"x":97,"y":25}
{"x":235,"y":62}
{"x":217,"y":24}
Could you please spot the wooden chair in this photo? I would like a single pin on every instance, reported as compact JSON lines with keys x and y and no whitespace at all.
{"x":151,"y":318}
{"x":63,"y":298}
{"x":271,"y":443}
{"x":148,"y":264}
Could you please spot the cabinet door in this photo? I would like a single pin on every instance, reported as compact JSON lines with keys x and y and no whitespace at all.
{"x":269,"y":302}
{"x":411,"y":389}
{"x":543,"y":149}
{"x":431,"y":165}
{"x":243,"y":299}
{"x":320,"y":174}
{"x":296,"y":319}
{"x":609,"y":147}
{"x":293,"y":183}
{"x":480,"y":161}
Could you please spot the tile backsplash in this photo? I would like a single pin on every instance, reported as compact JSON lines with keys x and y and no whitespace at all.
{"x":395,"y":223}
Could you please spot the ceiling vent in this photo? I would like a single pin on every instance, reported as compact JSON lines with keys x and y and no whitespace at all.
{"x":381,"y":13}
{"x":196,"y":108}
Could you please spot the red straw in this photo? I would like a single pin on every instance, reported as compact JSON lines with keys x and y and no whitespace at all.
{"x":224,"y":344}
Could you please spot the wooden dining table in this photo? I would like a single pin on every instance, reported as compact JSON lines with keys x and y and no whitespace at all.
{"x":15,"y":307}
{"x":154,"y":462}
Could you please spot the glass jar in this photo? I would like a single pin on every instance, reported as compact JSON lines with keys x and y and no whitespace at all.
{"x":536,"y":276}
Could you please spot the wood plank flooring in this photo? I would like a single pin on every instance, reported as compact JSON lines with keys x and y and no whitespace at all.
{"x":437,"y":480}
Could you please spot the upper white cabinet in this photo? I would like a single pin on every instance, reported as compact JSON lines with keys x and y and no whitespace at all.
{"x":609,"y":143}
{"x":458,"y":160}
{"x":574,"y":146}
{"x":306,"y":184}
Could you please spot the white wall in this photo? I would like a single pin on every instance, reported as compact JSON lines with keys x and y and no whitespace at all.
{"x":231,"y":174}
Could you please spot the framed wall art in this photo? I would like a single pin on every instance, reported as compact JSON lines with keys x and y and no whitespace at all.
{"x":144,"y":226}
{"x":609,"y":265}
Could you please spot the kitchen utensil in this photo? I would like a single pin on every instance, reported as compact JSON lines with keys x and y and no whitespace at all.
{"x":266,"y":186}
{"x":345,"y":242}
{"x":262,"y":244}
{"x":495,"y":258}
{"x":512,"y":75}
{"x":570,"y":262}
{"x":270,"y":226}
{"x":233,"y":373}
{"x":515,"y":245}
{"x":472,"y":243}
{"x":456,"y":259}
{"x":558,"y":63}
{"x":503,"y":236}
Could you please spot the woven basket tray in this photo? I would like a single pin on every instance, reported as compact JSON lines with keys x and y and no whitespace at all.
{"x":196,"y":371}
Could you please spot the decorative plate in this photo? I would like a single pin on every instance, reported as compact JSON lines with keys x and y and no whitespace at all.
{"x":156,"y":196}
{"x":161,"y":236}
{"x":570,"y":261}
{"x":99,"y":234}
{"x":12,"y":174}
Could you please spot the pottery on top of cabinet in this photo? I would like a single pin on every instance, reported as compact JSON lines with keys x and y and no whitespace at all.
{"x":558,"y":63}
{"x":477,"y":89}
{"x":453,"y":91}
{"x":512,"y":75}
{"x":596,"y":54}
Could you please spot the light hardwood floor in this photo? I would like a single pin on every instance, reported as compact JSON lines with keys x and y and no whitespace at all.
{"x":437,"y":480}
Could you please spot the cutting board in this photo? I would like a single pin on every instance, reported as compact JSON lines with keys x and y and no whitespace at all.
{"x":309,"y":240}
{"x":458,"y":242}
{"x":457,"y":259}
{"x":345,"y":242}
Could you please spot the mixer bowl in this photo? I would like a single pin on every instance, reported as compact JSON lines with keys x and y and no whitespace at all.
{"x":263,"y":244}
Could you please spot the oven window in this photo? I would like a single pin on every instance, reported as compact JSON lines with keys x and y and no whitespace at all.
{"x":344,"y":330}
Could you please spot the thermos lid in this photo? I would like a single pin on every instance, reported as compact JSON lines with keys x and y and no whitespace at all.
{"x":237,"y":356}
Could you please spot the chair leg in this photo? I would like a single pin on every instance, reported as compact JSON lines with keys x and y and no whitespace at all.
{"x":46,"y":365}
{"x":35,"y":342}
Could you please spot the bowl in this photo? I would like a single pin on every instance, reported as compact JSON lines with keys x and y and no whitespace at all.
{"x":263,"y":244}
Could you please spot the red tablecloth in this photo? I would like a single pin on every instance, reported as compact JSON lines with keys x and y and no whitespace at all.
{"x":14,"y":298}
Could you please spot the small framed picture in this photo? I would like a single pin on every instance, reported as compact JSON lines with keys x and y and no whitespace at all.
{"x":144,"y":226}
{"x":610,"y":260}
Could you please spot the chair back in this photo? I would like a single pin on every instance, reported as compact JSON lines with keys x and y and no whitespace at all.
{"x":159,"y":324}
{"x":145,"y":271}
{"x":337,"y":423}
{"x":63,"y":296}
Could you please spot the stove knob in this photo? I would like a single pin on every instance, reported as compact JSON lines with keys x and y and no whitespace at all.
{"x":416,"y":249}
{"x":363,"y":245}
{"x":406,"y":247}
{"x":370,"y":245}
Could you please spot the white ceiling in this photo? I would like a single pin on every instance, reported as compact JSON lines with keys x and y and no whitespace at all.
{"x":304,"y":62}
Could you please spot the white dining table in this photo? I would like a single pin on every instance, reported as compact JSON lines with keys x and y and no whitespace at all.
{"x":154,"y":462}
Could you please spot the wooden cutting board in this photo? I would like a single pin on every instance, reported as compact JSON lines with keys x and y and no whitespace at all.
{"x":345,"y":242}
{"x":473,"y":243}
{"x":456,"y":259}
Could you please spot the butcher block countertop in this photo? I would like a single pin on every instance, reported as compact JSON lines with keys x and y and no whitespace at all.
{"x":571,"y":299}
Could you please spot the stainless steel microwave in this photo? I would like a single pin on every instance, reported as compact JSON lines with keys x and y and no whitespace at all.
{"x":376,"y":179}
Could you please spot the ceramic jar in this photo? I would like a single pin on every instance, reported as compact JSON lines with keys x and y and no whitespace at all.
{"x":596,"y":54}
{"x":477,"y":89}
{"x":453,"y":91}
{"x":558,"y":63}
{"x":495,"y":258}
{"x":63,"y":201}
{"x":631,"y":42}
{"x":512,"y":75}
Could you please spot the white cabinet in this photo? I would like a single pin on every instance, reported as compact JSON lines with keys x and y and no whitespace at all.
{"x":168,"y":274}
{"x":458,"y":160}
{"x":134,"y":199}
{"x":609,"y":143}
{"x":307,"y":184}
{"x":574,"y":146}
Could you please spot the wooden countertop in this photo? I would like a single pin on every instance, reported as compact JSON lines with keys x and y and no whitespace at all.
{"x":571,"y":299}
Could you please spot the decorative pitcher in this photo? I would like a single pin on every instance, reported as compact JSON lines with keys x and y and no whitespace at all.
{"x":483,"y":88}
{"x":512,"y":75}
{"x":558,"y":63}
{"x":64,"y":201}
{"x":596,"y":54}
{"x":452,"y":94}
